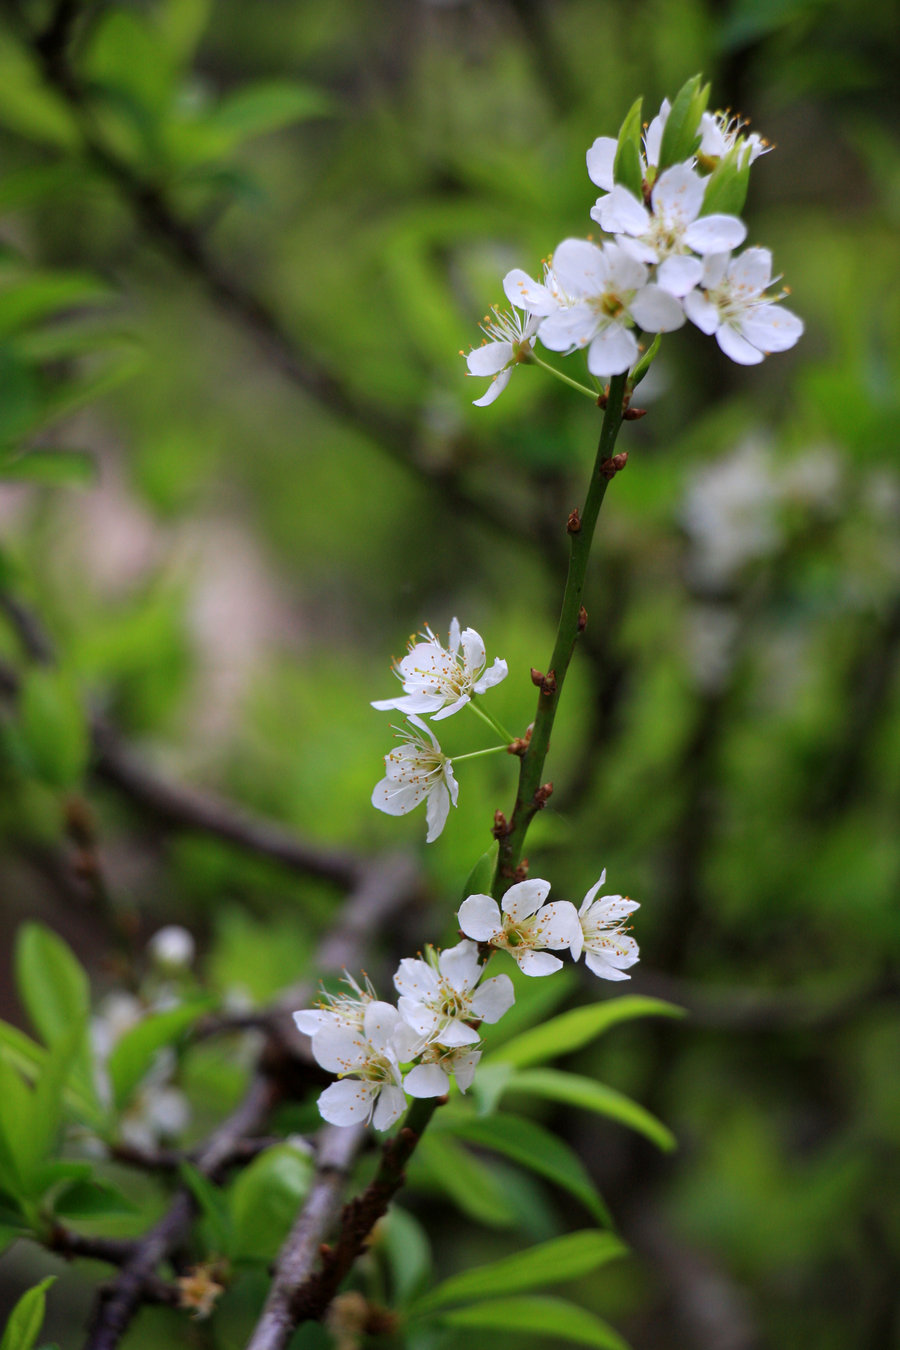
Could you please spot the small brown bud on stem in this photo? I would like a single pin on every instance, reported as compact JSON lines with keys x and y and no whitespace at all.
{"x":543,"y":795}
{"x":633,"y":414}
{"x":573,"y":524}
{"x":521,"y":872}
{"x":501,"y":825}
{"x":582,"y":619}
{"x":610,"y":467}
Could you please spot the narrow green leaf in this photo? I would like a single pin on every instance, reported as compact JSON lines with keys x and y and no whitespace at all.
{"x":726,"y":187}
{"x":576,"y":1090}
{"x":681,"y":134}
{"x":533,"y":1147}
{"x":77,"y":468}
{"x":478,"y":882}
{"x":92,"y":1199}
{"x":551,"y":1317}
{"x":405,"y":1244}
{"x":267,"y":106}
{"x":41,"y":294}
{"x":578,"y":1027}
{"x":47,"y":1108}
{"x":213,"y":1206}
{"x":627,"y":165}
{"x":26,"y":1318}
{"x":563,"y":1258}
{"x":52,"y":984}
{"x":28,"y":1057}
{"x":15,"y":1115}
{"x":134,"y":1052}
{"x":471,"y":1185}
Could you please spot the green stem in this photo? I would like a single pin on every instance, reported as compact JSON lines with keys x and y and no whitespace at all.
{"x":566,"y":379}
{"x":491,"y":721}
{"x":528,"y":799}
{"x":476,"y":754}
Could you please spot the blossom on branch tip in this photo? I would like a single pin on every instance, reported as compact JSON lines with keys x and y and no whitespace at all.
{"x":731,"y":303}
{"x":610,"y":294}
{"x":526,"y":926}
{"x":601,"y":157}
{"x":721,"y":132}
{"x":440,"y":997}
{"x":431,"y":1076}
{"x":509,"y":338}
{"x":337,"y":1010}
{"x":608,"y":948}
{"x":440,"y":680}
{"x":417,"y":771}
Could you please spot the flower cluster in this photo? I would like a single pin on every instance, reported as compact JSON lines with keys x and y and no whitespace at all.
{"x":384,"y":1053}
{"x":667,"y":209}
{"x":437,"y":682}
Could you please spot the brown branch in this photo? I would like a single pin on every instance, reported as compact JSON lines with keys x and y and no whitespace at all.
{"x":302,"y":1293}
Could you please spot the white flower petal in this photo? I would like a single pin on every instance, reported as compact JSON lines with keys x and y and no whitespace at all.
{"x":679,"y":274}
{"x":580,"y":268}
{"x":493,"y":998}
{"x":600,"y":161}
{"x":536,"y":963}
{"x":702,"y":312}
{"x":464,"y":1065}
{"x":455,"y":1033}
{"x":656,"y":310}
{"x":479,"y":917}
{"x":460,"y":966}
{"x":415,"y":979}
{"x":622,"y":213}
{"x":348,"y":1102}
{"x":426,"y":1080}
{"x":601,"y":967}
{"x":572,"y":327}
{"x":557,"y":924}
{"x":379,"y":1022}
{"x":390,"y":1107}
{"x":612,"y":351}
{"x":527,"y":294}
{"x":437,"y":810}
{"x":490,"y":358}
{"x":525,"y":898}
{"x":394,"y":799}
{"x":497,"y":672}
{"x":678,"y":194}
{"x":420,"y":1018}
{"x":715,"y":234}
{"x":737,"y":347}
{"x":752,"y":270}
{"x":771,"y":328}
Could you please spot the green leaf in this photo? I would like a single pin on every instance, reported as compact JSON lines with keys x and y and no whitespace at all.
{"x":28,"y":1057}
{"x":408,"y":1251}
{"x":42,"y":294}
{"x":627,"y":165}
{"x":551,"y":1317}
{"x":267,"y":106}
{"x":575,"y":1090}
{"x":77,"y":468}
{"x":726,"y":187}
{"x":479,"y":880}
{"x":265,"y":1198}
{"x":15,"y":1115}
{"x":52,"y":984}
{"x":89,"y":1198}
{"x":54,"y":728}
{"x":576,"y":1028}
{"x":681,"y":134}
{"x":134,"y":1052}
{"x":28,"y":105}
{"x":26,"y":1318}
{"x":563,"y":1258}
{"x":470,"y":1184}
{"x":47,"y":1106}
{"x":213,"y":1206}
{"x":533,"y":1147}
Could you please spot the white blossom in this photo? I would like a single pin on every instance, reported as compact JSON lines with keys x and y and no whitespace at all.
{"x":172,"y":947}
{"x":367,"y":1058}
{"x":608,"y":948}
{"x":418,"y":771}
{"x":337,"y":1010}
{"x":672,"y":230}
{"x":731,"y":303}
{"x":720,"y":132}
{"x":509,"y":338}
{"x":439,"y":680}
{"x":526,"y":926}
{"x":431,"y":1076}
{"x":610,"y":294}
{"x":440,"y":997}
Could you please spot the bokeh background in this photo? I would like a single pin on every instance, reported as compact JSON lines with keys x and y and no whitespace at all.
{"x":246,"y":547}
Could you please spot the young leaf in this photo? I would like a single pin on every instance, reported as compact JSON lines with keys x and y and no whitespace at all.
{"x":57,"y":467}
{"x":534,"y":1147}
{"x":405,"y":1244}
{"x":92,"y":1199}
{"x":264,"y":1200}
{"x":213,"y":1206}
{"x":26,"y":1318}
{"x":538,"y":1316}
{"x":47,"y":1108}
{"x":627,"y":166}
{"x":134,"y":1052}
{"x":576,"y":1090}
{"x":24,"y":1054}
{"x":563,"y":1258}
{"x":726,"y":187}
{"x":681,"y":134}
{"x":41,"y":294}
{"x":52,"y":985}
{"x":478,"y":882}
{"x":573,"y":1029}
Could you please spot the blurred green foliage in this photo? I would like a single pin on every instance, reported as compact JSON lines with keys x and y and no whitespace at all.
{"x":226,"y":559}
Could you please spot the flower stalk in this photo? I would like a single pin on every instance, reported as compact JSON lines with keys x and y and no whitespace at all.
{"x":529,"y":797}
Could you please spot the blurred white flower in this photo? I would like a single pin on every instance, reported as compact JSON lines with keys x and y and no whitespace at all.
{"x":526,"y":926}
{"x":172,"y":947}
{"x":608,"y":948}
{"x":439,"y":680}
{"x":418,"y":771}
